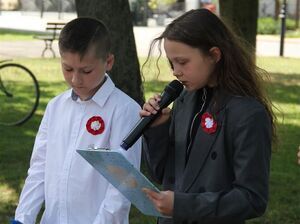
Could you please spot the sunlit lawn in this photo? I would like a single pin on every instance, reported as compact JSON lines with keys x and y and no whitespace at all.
{"x":284,"y":207}
{"x":16,"y":35}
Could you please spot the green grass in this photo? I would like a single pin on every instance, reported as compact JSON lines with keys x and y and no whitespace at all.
{"x":293,"y":33}
{"x":16,"y":35}
{"x":284,"y":87}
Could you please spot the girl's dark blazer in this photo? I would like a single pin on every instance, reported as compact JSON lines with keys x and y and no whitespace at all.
{"x":226,"y":177}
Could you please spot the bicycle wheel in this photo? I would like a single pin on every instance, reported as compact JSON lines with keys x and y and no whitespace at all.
{"x":19,"y":94}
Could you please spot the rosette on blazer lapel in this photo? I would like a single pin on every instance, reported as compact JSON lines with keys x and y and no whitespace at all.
{"x":203,"y":143}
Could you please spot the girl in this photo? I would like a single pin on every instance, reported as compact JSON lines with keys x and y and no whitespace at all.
{"x":211,"y":152}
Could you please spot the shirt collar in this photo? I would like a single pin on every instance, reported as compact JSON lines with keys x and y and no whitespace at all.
{"x":104,"y":92}
{"x":100,"y":96}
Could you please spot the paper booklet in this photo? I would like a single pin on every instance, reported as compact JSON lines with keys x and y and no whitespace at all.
{"x":123,"y":176}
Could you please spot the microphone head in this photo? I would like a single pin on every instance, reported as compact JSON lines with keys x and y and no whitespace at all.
{"x":174,"y":89}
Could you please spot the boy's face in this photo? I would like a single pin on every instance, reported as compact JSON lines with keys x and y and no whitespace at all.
{"x":85,"y":75}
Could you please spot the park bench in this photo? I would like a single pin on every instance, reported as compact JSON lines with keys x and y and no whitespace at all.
{"x":53,"y":29}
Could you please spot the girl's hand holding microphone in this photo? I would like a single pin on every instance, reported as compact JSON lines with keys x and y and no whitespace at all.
{"x":151,"y":108}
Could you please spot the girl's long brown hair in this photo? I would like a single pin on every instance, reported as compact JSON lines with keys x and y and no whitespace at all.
{"x":236,"y":72}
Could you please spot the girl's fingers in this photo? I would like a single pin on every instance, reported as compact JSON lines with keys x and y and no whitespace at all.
{"x":157,"y":97}
{"x":154,"y":102}
{"x":144,"y":113}
{"x":152,"y":194}
{"x":151,"y":107}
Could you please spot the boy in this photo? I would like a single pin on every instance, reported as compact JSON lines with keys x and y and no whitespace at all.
{"x":93,"y":113}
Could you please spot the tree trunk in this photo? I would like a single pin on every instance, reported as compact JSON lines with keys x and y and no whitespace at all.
{"x":297,"y":14}
{"x":277,"y":9}
{"x":242,"y":17}
{"x":117,"y":17}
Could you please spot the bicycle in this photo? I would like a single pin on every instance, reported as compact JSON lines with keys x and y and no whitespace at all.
{"x":19,"y":93}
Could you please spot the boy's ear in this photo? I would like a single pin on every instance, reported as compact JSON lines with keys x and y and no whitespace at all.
{"x":109,"y":62}
{"x":215,"y":53}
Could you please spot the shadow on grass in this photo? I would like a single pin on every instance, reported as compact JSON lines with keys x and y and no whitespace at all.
{"x":16,"y":144}
{"x":285,"y":88}
{"x":284,"y":193}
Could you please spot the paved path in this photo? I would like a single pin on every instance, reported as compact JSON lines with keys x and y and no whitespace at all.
{"x":270,"y":46}
{"x":266,"y":45}
{"x":33,"y":49}
{"x":143,"y":37}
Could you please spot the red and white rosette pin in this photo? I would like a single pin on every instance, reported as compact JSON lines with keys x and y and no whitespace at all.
{"x":95,"y":125}
{"x":208,"y":123}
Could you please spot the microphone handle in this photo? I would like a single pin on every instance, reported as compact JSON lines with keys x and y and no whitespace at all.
{"x":144,"y":122}
{"x":138,"y":130}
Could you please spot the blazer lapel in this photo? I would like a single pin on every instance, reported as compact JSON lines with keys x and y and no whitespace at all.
{"x":202,"y":146}
{"x":183,"y":119}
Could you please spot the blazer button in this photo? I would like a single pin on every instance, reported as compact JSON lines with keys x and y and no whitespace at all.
{"x":213,"y":155}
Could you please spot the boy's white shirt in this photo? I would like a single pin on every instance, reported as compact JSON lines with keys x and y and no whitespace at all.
{"x":74,"y":192}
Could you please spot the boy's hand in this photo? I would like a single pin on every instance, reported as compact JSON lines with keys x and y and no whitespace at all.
{"x":152,"y":107}
{"x":163,"y":201}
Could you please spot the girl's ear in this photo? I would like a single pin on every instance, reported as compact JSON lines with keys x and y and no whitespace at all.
{"x":109,"y":62}
{"x":215,"y":54}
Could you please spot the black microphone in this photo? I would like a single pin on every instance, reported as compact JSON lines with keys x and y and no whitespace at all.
{"x":170,"y":93}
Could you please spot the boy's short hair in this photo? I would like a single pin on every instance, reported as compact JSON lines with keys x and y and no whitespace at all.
{"x":80,"y":34}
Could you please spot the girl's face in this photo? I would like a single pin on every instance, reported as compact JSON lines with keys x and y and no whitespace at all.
{"x":86,"y":74}
{"x":190,"y":65}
